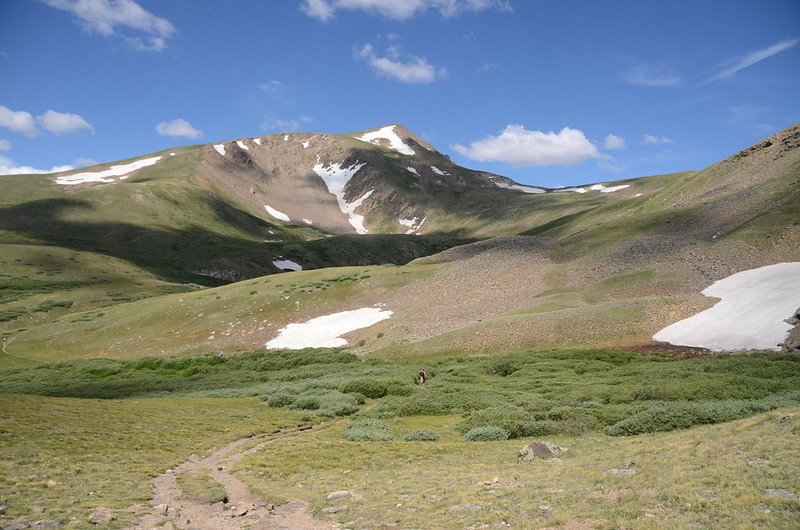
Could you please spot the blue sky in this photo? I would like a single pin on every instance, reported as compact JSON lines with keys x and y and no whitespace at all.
{"x":548,"y":93}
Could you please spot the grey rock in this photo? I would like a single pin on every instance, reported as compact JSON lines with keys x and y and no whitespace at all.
{"x":781,"y":494}
{"x":4,"y":508}
{"x":54,"y":523}
{"x":627,"y":469}
{"x":161,"y":509}
{"x":337,"y":495}
{"x":330,"y":510}
{"x":101,"y":516}
{"x":17,"y":526}
{"x":539,"y":450}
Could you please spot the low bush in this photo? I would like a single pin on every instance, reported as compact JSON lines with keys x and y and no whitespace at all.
{"x":681,"y":415}
{"x":490,"y":433}
{"x":367,"y":430}
{"x":510,"y":418}
{"x":422,"y":435}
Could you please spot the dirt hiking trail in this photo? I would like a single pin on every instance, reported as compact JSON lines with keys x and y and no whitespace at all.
{"x":243,"y":509}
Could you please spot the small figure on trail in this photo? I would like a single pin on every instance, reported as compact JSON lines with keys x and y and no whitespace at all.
{"x":422,"y":377}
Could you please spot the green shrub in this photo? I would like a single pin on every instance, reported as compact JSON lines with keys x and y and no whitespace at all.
{"x":490,"y":433}
{"x":681,"y":415}
{"x":541,"y":428}
{"x":422,"y":435}
{"x":306,"y":403}
{"x":502,"y":367}
{"x":510,"y":418}
{"x":280,"y":399}
{"x":371,"y":388}
{"x":367,"y":430}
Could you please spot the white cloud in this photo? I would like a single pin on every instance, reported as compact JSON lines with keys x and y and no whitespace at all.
{"x":271,"y":86}
{"x":178,"y":127}
{"x":294,"y":124}
{"x":415,"y":70}
{"x":649,"y":75}
{"x":752,"y":58}
{"x":5,"y":145}
{"x":124,"y":18}
{"x":517,"y":146}
{"x":9,"y":167}
{"x":613,"y":141}
{"x":324,"y":10}
{"x":650,"y":139}
{"x":84,"y":162}
{"x":18,"y":121}
{"x":63,"y":122}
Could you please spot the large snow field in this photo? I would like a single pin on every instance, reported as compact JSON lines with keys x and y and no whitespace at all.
{"x":287,"y":264}
{"x":336,"y":177}
{"x":121,"y":170}
{"x":750,"y":314}
{"x":387,"y":133}
{"x":277,"y":214}
{"x":325,"y":331}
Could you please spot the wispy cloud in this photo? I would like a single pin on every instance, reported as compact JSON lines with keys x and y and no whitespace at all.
{"x":178,"y":128}
{"x":752,"y":58}
{"x":277,"y":124}
{"x":5,"y":145}
{"x":324,"y":10}
{"x":142,"y":30}
{"x":518,"y":146}
{"x":412,"y":70}
{"x":271,"y":86}
{"x":61,"y":123}
{"x":651,"y":139}
{"x":18,"y":121}
{"x":614,"y":142}
{"x":9,"y":167}
{"x":652,"y":75}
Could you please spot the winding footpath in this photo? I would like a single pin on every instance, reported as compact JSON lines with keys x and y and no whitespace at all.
{"x":243,"y":509}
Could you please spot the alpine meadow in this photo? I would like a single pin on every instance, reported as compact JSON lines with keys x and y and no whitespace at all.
{"x":554,"y":283}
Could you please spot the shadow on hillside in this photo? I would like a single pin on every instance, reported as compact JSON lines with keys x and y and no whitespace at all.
{"x":176,"y":255}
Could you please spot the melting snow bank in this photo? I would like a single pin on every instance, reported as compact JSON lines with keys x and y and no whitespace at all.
{"x":335,"y":178}
{"x":241,"y":145}
{"x":750,"y":314}
{"x":220,"y":148}
{"x":324,"y":331}
{"x":276,"y":214}
{"x":121,"y":171}
{"x":412,"y":224}
{"x":438,"y":171}
{"x":287,"y":264}
{"x":523,"y":189}
{"x":602,"y":188}
{"x":387,"y":133}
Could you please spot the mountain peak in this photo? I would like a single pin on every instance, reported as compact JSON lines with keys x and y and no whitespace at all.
{"x":395,"y":136}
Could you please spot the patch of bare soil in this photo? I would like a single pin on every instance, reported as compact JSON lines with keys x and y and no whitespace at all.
{"x":243,"y":509}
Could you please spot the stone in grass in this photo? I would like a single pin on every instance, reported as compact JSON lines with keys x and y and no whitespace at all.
{"x":337,"y":495}
{"x":626,"y":470}
{"x":101,"y":516}
{"x":781,"y":494}
{"x":330,"y":510}
{"x":543,"y":450}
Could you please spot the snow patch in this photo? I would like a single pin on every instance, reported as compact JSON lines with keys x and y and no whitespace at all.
{"x":257,"y":141}
{"x":172,"y":154}
{"x":276,"y":214}
{"x":336,"y":177}
{"x":412,"y":224}
{"x":308,"y":221}
{"x":519,"y":187}
{"x":306,"y":144}
{"x":241,"y":145}
{"x":287,"y":264}
{"x":438,"y":171}
{"x":220,"y":149}
{"x":325,"y":331}
{"x":387,"y":133}
{"x":602,"y":188}
{"x":638,"y":195}
{"x":412,"y":170}
{"x":285,"y":137}
{"x":120,"y":170}
{"x":750,"y":314}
